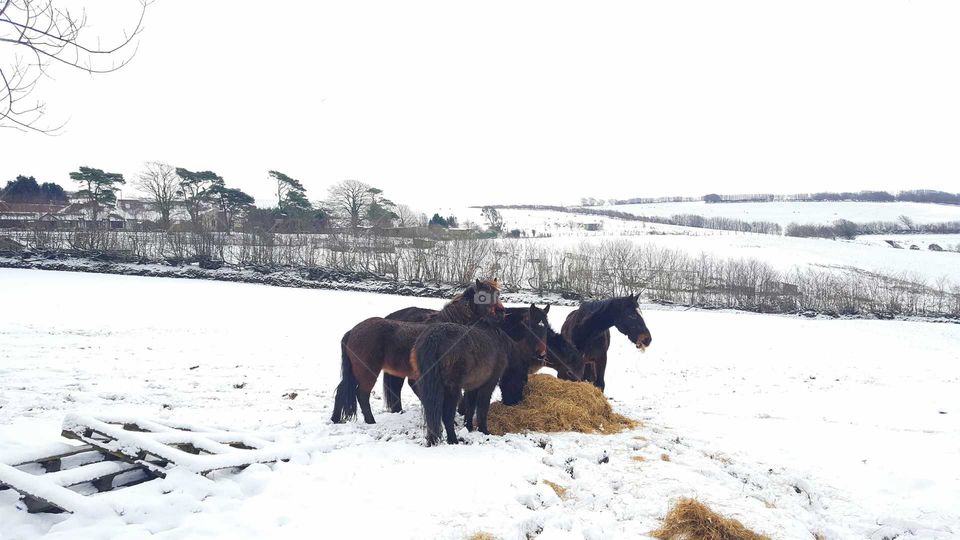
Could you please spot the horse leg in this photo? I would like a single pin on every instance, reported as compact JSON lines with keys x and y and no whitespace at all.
{"x":363,"y":397}
{"x":469,"y":403}
{"x":392,"y":386}
{"x":588,"y":371}
{"x":482,"y":402}
{"x":450,"y":401}
{"x":600,"y":367}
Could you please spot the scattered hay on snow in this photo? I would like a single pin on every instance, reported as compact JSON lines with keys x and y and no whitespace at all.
{"x":550,"y":404}
{"x":558,"y":489}
{"x":689,"y":519}
{"x":482,"y":536}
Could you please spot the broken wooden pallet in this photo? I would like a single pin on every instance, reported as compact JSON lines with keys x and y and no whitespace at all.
{"x":158,"y":447}
{"x":123,"y":451}
{"x":59,"y":482}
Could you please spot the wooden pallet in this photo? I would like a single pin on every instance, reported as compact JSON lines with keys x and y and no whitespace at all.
{"x":120,"y":452}
{"x":159,"y":446}
{"x":57,"y":482}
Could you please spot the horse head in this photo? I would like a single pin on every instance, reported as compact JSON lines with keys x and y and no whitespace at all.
{"x":484,"y":299}
{"x":629,"y":321}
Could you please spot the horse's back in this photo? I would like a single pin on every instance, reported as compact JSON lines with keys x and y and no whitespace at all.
{"x":412,"y":314}
{"x":596,"y":343}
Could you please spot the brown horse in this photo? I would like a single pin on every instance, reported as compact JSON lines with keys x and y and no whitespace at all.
{"x":455,"y":357}
{"x":588,"y":328}
{"x":560,"y":354}
{"x":378,"y":344}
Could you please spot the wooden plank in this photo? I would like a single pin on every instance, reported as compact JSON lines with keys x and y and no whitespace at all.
{"x":38,"y":493}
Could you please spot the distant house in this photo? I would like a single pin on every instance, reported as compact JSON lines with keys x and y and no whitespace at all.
{"x":26,"y":215}
{"x":71,"y":216}
{"x":592,"y":226}
{"x":138,"y":212}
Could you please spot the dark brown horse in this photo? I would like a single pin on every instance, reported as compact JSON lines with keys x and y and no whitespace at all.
{"x":475,"y":358}
{"x":378,"y":344}
{"x":588,"y":328}
{"x":560,"y":354}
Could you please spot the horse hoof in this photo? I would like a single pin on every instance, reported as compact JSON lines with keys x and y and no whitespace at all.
{"x":370,"y":421}
{"x":453,"y":441}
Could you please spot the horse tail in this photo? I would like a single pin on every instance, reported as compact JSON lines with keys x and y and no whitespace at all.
{"x":345,"y":400}
{"x":425,"y":358}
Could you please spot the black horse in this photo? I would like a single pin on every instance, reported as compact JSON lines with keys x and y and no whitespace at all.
{"x":588,"y":328}
{"x":451,"y":357}
{"x":560,"y":353}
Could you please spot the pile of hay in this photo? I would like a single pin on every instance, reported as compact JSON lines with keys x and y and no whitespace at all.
{"x":690,"y":519}
{"x":550,"y":404}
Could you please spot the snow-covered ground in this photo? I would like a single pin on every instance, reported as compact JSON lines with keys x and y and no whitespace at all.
{"x":569,"y":224}
{"x":848,"y":429}
{"x":785,"y":213}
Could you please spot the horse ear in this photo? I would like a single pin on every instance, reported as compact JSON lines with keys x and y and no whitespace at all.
{"x":478,"y":283}
{"x":546,"y":308}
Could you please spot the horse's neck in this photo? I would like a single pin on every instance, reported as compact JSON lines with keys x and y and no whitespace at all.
{"x":454,"y":312}
{"x":593,"y":324}
{"x":517,"y":351}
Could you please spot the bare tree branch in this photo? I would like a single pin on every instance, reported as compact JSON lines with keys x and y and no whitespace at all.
{"x":37,"y":34}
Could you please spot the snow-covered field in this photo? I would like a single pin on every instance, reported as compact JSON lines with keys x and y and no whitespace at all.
{"x":784,"y":253}
{"x":785,"y":213}
{"x":848,"y":429}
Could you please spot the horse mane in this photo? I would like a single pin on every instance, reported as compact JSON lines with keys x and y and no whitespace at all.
{"x":593,"y":307}
{"x":458,"y":308}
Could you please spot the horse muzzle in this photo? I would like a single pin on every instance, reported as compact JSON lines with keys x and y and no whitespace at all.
{"x":643,"y":341}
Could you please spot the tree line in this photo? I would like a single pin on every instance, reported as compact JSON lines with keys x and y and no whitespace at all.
{"x":583,"y":271}
{"x":912,"y":195}
{"x":174,"y":190}
{"x":846,"y":229}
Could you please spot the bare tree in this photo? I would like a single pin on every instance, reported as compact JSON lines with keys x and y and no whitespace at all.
{"x":348,"y":199}
{"x":160,"y":183}
{"x":406,"y":217}
{"x":36,"y":34}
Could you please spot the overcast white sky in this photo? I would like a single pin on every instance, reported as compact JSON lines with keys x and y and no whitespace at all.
{"x":454,"y":103}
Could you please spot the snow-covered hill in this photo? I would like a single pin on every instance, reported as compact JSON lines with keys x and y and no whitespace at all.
{"x":868,"y":253}
{"x":847,"y":429}
{"x":785,"y":213}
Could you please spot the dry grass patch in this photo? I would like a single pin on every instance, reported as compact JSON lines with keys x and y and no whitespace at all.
{"x":482,"y":536}
{"x":689,"y":519}
{"x":638,"y":458}
{"x":551,"y":405}
{"x":558,"y":489}
{"x":664,"y":457}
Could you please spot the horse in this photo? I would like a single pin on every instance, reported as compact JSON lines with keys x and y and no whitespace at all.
{"x":453,"y":357}
{"x":588,"y":328}
{"x":560,"y":353}
{"x":378,"y":344}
